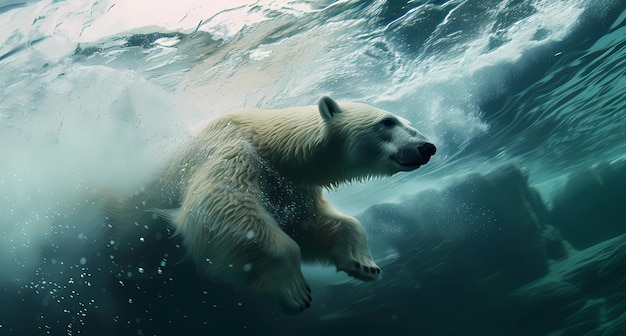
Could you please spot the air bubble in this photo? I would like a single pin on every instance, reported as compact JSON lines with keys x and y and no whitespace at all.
{"x":247,"y":267}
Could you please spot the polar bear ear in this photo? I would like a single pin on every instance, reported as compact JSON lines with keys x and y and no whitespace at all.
{"x":328,"y":108}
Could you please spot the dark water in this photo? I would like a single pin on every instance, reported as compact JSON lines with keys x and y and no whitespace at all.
{"x":510,"y":230}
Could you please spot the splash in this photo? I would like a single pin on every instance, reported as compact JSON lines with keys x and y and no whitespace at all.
{"x":98,"y":93}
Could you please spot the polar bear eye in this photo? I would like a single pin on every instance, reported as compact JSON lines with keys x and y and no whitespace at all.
{"x":388,"y":122}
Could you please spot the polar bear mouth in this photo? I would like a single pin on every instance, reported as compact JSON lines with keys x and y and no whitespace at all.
{"x":414,"y":157}
{"x":414,"y":164}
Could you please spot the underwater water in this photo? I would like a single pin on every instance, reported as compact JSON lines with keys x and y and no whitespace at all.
{"x":515,"y":227}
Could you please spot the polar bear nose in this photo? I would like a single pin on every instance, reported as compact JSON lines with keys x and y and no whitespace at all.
{"x":427,"y":150}
{"x":412,"y":157}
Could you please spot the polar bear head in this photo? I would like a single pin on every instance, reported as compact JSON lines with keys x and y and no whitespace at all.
{"x":374,"y":142}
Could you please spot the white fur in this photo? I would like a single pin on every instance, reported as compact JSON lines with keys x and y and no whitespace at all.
{"x":246,"y":193}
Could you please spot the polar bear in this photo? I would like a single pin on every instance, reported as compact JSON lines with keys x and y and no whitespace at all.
{"x":246,"y":193}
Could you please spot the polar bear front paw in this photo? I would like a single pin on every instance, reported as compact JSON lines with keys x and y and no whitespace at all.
{"x":288,"y":289}
{"x":295,"y":297}
{"x":365,"y":272}
{"x":365,"y":269}
{"x":352,"y":255}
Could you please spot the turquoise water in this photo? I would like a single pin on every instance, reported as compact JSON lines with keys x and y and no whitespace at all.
{"x":96,"y":94}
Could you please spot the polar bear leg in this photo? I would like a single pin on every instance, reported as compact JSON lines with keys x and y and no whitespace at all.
{"x":351,"y":253}
{"x":277,"y":273}
{"x":229,"y":233}
{"x":247,"y":244}
{"x":345,"y":240}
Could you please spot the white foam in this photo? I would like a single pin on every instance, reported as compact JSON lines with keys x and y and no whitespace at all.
{"x":66,"y":127}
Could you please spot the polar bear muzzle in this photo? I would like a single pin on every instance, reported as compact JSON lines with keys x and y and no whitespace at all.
{"x":413,"y":156}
